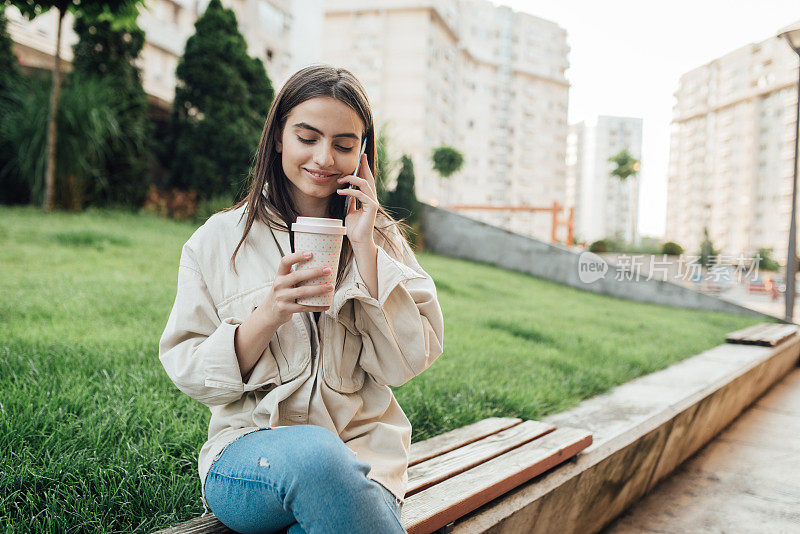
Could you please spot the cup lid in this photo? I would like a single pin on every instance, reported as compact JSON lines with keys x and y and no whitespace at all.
{"x":319,"y":225}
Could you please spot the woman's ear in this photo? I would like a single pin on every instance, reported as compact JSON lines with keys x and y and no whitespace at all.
{"x":278,"y":143}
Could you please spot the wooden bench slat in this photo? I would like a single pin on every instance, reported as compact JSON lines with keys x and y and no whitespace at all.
{"x":759,"y":337}
{"x":738,"y":335}
{"x":779,"y":335}
{"x":455,"y":497}
{"x":437,"y":445}
{"x":199,"y":525}
{"x":425,"y":474}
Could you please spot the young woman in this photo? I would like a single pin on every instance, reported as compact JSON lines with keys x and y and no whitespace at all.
{"x":305,"y":432}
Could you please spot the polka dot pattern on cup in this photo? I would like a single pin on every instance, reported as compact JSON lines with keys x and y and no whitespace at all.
{"x":326,"y":249}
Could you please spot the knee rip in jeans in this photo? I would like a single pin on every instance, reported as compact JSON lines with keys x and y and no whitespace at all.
{"x":262,"y":462}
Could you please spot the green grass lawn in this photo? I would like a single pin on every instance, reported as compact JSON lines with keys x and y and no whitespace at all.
{"x":95,"y":437}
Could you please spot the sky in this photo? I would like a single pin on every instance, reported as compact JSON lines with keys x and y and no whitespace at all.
{"x":627,"y":57}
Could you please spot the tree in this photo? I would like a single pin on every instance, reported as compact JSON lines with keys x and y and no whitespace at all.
{"x":626,"y":166}
{"x":108,"y":46}
{"x":31,"y":9}
{"x":220,"y":103}
{"x":765,"y":261}
{"x":402,"y":203}
{"x":446,"y":161}
{"x":708,"y":253}
{"x":13,"y":190}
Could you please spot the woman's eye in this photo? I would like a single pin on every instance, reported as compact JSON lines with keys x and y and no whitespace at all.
{"x":344,"y":148}
{"x":306,"y":141}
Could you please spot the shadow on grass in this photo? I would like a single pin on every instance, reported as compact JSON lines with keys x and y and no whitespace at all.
{"x":89,"y":238}
{"x":526,"y":333}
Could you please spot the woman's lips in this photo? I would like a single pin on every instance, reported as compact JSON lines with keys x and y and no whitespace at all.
{"x":320,"y":179}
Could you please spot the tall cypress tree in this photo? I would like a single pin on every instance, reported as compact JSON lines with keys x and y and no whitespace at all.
{"x":219,"y":109}
{"x":108,"y":46}
{"x":402,"y":202}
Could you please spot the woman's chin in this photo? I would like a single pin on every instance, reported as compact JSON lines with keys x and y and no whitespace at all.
{"x":319,"y":192}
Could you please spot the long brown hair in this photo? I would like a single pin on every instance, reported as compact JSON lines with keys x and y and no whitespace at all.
{"x":266,"y":176}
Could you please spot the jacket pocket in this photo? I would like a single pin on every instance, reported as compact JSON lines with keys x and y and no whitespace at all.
{"x":341,"y":353}
{"x":286,"y":347}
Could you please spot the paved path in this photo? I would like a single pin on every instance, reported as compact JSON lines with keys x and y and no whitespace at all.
{"x":745,"y":480}
{"x":759,"y":301}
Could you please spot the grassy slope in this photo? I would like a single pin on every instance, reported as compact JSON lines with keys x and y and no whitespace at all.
{"x":94,"y":436}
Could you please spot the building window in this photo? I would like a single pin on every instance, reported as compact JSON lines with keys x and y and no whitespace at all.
{"x":271,"y":18}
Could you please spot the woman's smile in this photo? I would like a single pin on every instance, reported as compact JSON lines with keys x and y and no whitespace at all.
{"x":320,"y":177}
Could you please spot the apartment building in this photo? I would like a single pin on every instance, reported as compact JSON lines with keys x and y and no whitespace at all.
{"x":265,"y":24}
{"x":732,"y":151}
{"x":605,"y":206}
{"x":483,"y":78}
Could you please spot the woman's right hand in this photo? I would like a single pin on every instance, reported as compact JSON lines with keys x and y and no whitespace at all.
{"x":280,"y":305}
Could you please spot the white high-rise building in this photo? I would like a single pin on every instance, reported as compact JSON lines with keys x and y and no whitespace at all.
{"x":732,"y":151}
{"x":265,"y":24}
{"x":485,"y":79}
{"x":605,"y":206}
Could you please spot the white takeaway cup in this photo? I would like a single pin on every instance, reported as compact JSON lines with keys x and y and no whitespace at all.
{"x":323,"y":238}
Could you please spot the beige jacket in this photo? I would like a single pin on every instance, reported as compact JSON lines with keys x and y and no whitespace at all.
{"x":334,"y":373}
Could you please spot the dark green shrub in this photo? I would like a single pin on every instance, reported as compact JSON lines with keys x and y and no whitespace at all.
{"x":599,"y":246}
{"x":87,"y":120}
{"x":207,"y":208}
{"x":671,"y":248}
{"x":765,"y":261}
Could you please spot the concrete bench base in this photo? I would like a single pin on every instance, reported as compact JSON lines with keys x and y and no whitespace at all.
{"x":642,"y":431}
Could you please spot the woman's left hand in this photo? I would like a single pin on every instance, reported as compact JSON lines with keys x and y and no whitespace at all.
{"x":360,"y":222}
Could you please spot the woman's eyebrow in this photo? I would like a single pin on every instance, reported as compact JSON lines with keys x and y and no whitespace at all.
{"x":309,"y":127}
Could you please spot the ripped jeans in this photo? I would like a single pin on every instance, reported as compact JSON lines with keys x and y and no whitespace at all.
{"x":300,"y":477}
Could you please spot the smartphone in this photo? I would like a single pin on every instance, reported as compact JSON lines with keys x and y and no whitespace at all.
{"x":355,"y":173}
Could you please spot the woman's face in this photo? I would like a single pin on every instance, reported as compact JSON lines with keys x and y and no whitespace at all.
{"x":319,"y":143}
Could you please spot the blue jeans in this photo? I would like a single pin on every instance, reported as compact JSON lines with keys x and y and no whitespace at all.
{"x":302,"y":477}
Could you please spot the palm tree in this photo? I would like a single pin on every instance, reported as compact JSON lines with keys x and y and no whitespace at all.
{"x":625,"y":167}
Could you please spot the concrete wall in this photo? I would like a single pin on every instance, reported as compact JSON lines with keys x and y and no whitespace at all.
{"x":454,"y":235}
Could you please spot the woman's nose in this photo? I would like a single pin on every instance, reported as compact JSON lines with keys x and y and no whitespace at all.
{"x":323,"y":156}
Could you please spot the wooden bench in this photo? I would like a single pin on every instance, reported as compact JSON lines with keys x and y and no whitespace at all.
{"x":764,"y":334}
{"x":452,"y":474}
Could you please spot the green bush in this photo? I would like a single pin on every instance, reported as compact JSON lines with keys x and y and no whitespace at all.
{"x":765,"y":261}
{"x":671,"y":249}
{"x":599,"y":246}
{"x":207,"y":208}
{"x":86,"y":123}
